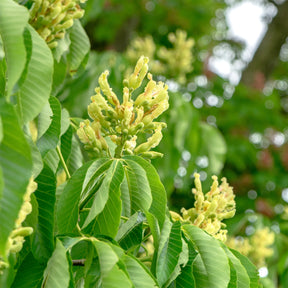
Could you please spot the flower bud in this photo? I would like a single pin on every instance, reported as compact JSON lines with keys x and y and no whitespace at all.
{"x":107,"y":90}
{"x":140,"y":71}
{"x":151,"y":154}
{"x":152,"y":142}
{"x":64,"y":26}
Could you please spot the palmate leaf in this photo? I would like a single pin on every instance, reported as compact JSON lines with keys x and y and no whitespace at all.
{"x":16,"y":164}
{"x":92,"y":179}
{"x":107,"y":220}
{"x":169,"y":250}
{"x":110,"y":266}
{"x":36,"y":87}
{"x":211,"y":265}
{"x":56,"y":274}
{"x":43,"y":244}
{"x":112,"y":180}
{"x":13,"y":20}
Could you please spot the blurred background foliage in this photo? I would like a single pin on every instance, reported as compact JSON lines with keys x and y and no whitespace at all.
{"x":216,"y":125}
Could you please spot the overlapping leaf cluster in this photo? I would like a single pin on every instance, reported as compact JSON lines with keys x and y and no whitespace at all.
{"x":90,"y":230}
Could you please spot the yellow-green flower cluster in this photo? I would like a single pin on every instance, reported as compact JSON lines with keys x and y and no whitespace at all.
{"x":145,"y":46}
{"x":16,"y":237}
{"x":141,"y":46}
{"x":256,"y":247}
{"x":51,"y":18}
{"x":211,"y":208}
{"x":178,"y":58}
{"x":285,"y":213}
{"x":122,"y":122}
{"x":173,"y":62}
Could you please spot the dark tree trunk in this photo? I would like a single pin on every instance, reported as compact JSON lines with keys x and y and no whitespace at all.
{"x":266,"y":56}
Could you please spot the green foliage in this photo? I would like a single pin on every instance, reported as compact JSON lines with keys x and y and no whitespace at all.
{"x":106,"y":224}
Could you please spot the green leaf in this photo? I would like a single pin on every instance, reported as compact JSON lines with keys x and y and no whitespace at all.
{"x":111,"y":268}
{"x":233,"y":276}
{"x":59,"y":74}
{"x":211,"y":266}
{"x":125,"y":197}
{"x":242,"y":277}
{"x":65,"y":121}
{"x":108,"y":221}
{"x":108,"y":193}
{"x":66,"y":143}
{"x":186,"y":278}
{"x":50,"y":138}
{"x":1,"y":130}
{"x":107,"y":257}
{"x":52,"y":159}
{"x":35,"y":90}
{"x":170,"y":247}
{"x":79,"y":47}
{"x":68,"y":204}
{"x":116,"y":278}
{"x":1,"y":183}
{"x":250,"y":269}
{"x":130,"y":233}
{"x":138,"y":185}
{"x":138,"y":273}
{"x":214,"y":146}
{"x":93,"y":179}
{"x":158,"y":193}
{"x":13,"y":19}
{"x":57,"y":272}
{"x":16,"y":164}
{"x":43,"y":244}
{"x":2,"y":77}
{"x":182,"y":262}
{"x":75,"y":160}
{"x":36,"y":157}
{"x":29,"y":274}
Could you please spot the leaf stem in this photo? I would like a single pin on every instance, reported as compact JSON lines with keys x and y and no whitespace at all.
{"x":124,"y":218}
{"x":146,"y":237}
{"x":145,"y":259}
{"x":85,"y":210}
{"x":63,"y":162}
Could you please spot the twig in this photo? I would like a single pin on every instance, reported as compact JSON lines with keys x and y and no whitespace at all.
{"x":79,"y":262}
{"x":63,"y":162}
